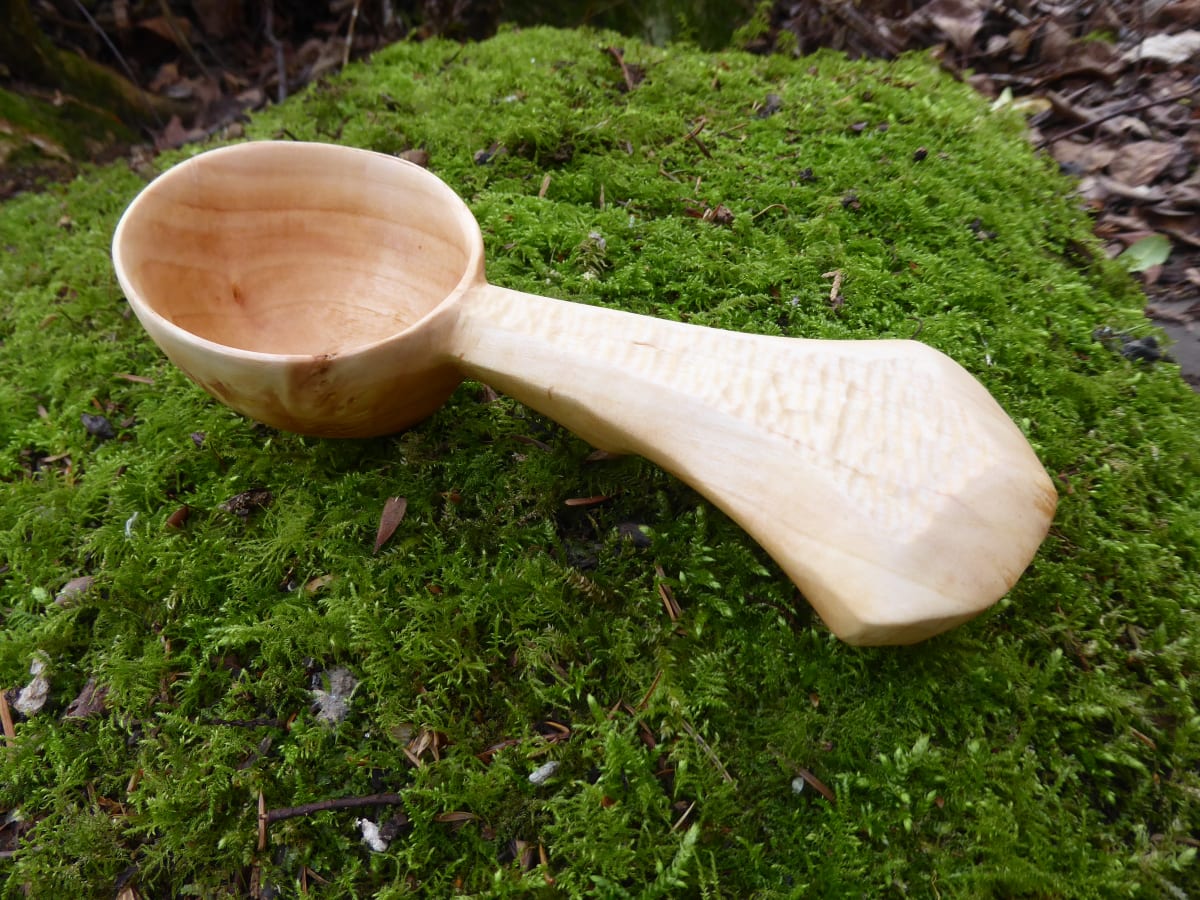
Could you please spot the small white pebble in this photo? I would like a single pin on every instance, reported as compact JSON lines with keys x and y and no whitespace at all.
{"x":371,"y":836}
{"x":797,"y":785}
{"x":333,"y":705}
{"x":33,"y":696}
{"x":542,"y":774}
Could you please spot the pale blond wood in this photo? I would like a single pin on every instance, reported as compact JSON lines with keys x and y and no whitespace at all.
{"x":340,"y":292}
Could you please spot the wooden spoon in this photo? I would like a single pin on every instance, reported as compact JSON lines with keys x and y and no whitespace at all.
{"x":340,"y":292}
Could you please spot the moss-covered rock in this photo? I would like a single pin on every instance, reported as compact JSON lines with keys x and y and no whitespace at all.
{"x":1048,"y":748}
{"x":45,"y":141}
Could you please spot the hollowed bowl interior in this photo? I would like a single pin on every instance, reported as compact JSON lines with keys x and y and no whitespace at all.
{"x":309,"y":286}
{"x":290,"y":248}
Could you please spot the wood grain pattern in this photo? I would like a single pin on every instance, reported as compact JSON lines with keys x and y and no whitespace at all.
{"x":883,"y":478}
{"x":339,"y":292}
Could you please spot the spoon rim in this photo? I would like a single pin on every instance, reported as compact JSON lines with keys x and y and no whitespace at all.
{"x":471,"y":238}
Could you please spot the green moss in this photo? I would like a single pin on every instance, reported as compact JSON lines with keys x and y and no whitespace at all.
{"x":32,"y":130}
{"x":1049,"y":748}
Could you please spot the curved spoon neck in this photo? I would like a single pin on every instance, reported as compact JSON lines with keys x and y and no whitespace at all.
{"x":537,"y":351}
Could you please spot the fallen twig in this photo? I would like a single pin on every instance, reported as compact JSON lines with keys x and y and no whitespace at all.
{"x":280,"y":64}
{"x":687,"y":812}
{"x":619,"y":55}
{"x":181,"y":39}
{"x":708,"y":751}
{"x":121,"y":61}
{"x":268,"y":816}
{"x":306,"y":809}
{"x":769,"y":208}
{"x":866,"y":29}
{"x":817,"y":784}
{"x":650,"y":690}
{"x":1092,"y":123}
{"x":6,"y":719}
{"x":674,"y":611}
{"x":694,"y":136}
{"x":350,"y":33}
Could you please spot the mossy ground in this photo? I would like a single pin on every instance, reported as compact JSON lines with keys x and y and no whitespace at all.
{"x":1048,"y":749}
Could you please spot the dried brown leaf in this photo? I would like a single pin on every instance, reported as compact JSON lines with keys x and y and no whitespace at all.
{"x":1087,"y":158}
{"x":720,"y":215}
{"x":1096,"y":57}
{"x":1125,"y":126}
{"x":315,"y":584}
{"x":167,"y":29}
{"x":417,"y":156}
{"x":1185,"y":195}
{"x":1054,"y":44}
{"x":389,"y":520}
{"x":220,"y":19}
{"x":178,"y":519}
{"x":1188,"y":232}
{"x":455,"y":817}
{"x":817,"y":784}
{"x":489,"y":752}
{"x":167,"y":75}
{"x":90,"y":702}
{"x":175,"y":134}
{"x":1140,"y":162}
{"x":73,"y":590}
{"x":247,"y":502}
{"x":958,"y":20}
{"x":1101,"y":188}
{"x":587,"y":501}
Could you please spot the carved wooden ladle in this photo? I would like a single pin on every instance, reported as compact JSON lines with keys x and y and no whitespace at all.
{"x":340,"y":292}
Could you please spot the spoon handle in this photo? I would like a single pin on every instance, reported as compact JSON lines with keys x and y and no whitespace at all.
{"x":882,"y":478}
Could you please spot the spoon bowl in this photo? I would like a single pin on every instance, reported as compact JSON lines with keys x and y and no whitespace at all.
{"x":340,"y":292}
{"x":304,"y":285}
